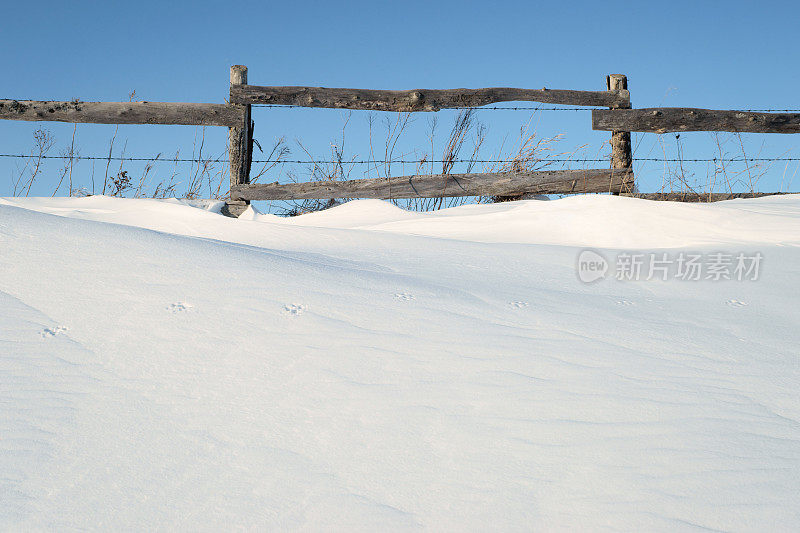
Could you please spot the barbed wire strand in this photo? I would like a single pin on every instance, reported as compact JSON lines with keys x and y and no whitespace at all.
{"x":522,"y":108}
{"x":393,"y":161}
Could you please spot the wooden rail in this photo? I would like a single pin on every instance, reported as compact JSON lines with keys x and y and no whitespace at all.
{"x":678,"y":119}
{"x":418,"y":99}
{"x":435,"y":186}
{"x":699,"y":197}
{"x":124,"y":112}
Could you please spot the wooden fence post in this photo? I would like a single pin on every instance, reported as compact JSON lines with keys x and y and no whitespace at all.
{"x":240,"y":146}
{"x":621,"y":155}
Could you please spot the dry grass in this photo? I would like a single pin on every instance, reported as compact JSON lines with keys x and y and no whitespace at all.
{"x":720,"y":175}
{"x":26,"y":177}
{"x":530,"y":152}
{"x":337,"y":168}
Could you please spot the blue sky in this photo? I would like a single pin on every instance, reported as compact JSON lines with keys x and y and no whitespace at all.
{"x":723,"y":55}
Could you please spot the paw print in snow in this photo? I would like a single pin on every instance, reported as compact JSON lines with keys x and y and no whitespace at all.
{"x":735,"y":303}
{"x":179,"y":307}
{"x":404,"y":296}
{"x":294,"y":309}
{"x":519,"y":304}
{"x":52,"y":332}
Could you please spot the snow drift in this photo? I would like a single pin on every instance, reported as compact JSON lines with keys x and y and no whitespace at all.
{"x":164,"y":367}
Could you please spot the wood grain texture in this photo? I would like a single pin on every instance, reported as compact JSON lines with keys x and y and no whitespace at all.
{"x":240,"y":143}
{"x":418,"y":99}
{"x":621,"y":153}
{"x":123,"y":112}
{"x":435,"y":186}
{"x":699,"y":197}
{"x":679,"y":119}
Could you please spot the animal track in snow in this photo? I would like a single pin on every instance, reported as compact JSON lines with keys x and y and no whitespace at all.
{"x":518,"y":304}
{"x":624,"y":302}
{"x":735,"y":303}
{"x":52,"y":332}
{"x":179,"y":307}
{"x":404,"y":296}
{"x":294,"y":309}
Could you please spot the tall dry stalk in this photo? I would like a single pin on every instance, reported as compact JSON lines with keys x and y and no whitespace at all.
{"x":108,"y":159}
{"x":66,"y":171}
{"x":43,"y":142}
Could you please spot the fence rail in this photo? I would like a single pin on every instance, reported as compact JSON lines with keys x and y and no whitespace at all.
{"x":418,"y":99}
{"x":678,"y":119}
{"x":436,"y":185}
{"x":695,"y":197}
{"x":123,"y":112}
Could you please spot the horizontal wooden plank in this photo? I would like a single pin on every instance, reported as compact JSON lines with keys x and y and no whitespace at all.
{"x":124,"y":112}
{"x":435,"y":186}
{"x":677,"y":119}
{"x":699,"y":197}
{"x":419,"y":99}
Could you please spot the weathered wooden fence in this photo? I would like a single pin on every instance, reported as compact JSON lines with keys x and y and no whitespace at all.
{"x":619,"y":119}
{"x":618,"y":179}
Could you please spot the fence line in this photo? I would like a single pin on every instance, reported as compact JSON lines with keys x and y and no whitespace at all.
{"x":619,"y":119}
{"x":539,"y":108}
{"x":393,"y":161}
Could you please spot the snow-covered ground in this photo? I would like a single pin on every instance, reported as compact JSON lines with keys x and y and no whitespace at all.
{"x":163,"y":367}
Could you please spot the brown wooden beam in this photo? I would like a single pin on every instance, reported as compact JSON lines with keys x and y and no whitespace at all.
{"x":123,"y":112}
{"x":699,"y":197}
{"x":435,"y":186}
{"x":678,"y":119}
{"x":418,"y":99}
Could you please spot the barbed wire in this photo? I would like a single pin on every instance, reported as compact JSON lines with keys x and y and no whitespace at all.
{"x":505,"y":108}
{"x":555,"y":160}
{"x":393,"y":161}
{"x":522,"y":108}
{"x":116,"y":158}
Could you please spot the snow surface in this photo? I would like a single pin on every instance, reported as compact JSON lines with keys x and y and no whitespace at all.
{"x":163,"y":367}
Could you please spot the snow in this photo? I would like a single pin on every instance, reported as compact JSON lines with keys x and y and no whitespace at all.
{"x":362,"y":368}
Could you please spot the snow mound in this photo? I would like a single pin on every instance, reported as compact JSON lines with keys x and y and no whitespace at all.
{"x":602,"y":221}
{"x":363,"y":368}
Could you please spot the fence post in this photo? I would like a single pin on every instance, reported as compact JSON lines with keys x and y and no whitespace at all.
{"x":621,"y":155}
{"x":240,"y":147}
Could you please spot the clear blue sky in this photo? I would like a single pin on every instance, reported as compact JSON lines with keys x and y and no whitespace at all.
{"x":723,"y":55}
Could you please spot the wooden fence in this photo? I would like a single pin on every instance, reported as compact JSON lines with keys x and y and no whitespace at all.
{"x":619,"y":119}
{"x":618,"y":179}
